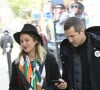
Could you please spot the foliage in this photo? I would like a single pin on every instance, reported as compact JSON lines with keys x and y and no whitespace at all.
{"x":21,"y":7}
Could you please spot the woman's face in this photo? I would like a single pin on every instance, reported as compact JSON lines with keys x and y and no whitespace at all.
{"x":27,"y":43}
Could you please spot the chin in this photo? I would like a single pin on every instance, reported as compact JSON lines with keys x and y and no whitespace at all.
{"x":26,"y":51}
{"x":75,"y":45}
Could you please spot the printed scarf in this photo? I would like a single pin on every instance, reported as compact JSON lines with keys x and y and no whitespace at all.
{"x":35,"y":75}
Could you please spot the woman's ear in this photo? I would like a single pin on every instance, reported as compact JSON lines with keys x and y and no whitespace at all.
{"x":35,"y":42}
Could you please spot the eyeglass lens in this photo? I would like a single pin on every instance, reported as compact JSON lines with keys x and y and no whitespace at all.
{"x":74,"y":6}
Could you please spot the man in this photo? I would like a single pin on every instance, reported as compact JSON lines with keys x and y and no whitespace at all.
{"x":59,"y":18}
{"x":77,"y":10}
{"x":80,"y":56}
{"x":6,"y":42}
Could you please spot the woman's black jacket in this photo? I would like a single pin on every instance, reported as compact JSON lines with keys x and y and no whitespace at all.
{"x":19,"y":82}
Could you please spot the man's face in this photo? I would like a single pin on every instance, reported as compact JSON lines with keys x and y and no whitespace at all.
{"x":58,"y":8}
{"x":5,"y":33}
{"x":75,"y":38}
{"x":75,"y":8}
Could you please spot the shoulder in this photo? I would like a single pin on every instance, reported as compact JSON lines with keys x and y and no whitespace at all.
{"x":94,"y":33}
{"x":93,"y":29}
{"x":65,"y":43}
{"x":50,"y":59}
{"x":50,"y":56}
{"x":2,"y":37}
{"x":94,"y":36}
{"x":65,"y":48}
{"x":15,"y":63}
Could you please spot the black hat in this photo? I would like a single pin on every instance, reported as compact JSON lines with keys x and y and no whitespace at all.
{"x":27,"y":28}
{"x":6,"y":31}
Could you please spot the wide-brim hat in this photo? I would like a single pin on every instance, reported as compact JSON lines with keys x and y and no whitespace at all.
{"x":29,"y":29}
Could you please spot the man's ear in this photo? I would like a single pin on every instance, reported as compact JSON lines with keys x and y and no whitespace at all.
{"x":82,"y":30}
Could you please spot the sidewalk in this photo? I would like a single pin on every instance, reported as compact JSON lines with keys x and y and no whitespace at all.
{"x":4,"y":77}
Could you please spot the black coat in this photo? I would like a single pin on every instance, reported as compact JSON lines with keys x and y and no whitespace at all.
{"x":19,"y":82}
{"x":66,"y":54}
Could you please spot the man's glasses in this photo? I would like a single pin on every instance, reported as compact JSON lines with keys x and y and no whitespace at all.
{"x":75,"y":6}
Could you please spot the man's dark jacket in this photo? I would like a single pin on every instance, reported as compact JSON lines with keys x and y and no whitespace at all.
{"x":66,"y":54}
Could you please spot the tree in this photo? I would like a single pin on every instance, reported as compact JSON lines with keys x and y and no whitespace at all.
{"x":21,"y":7}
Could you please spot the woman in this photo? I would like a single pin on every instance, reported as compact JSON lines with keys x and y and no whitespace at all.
{"x":34,"y":69}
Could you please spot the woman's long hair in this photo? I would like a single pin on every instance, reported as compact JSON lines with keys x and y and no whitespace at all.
{"x":40,"y":52}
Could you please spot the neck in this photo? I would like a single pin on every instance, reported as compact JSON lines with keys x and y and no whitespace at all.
{"x":31,"y":56}
{"x":84,"y":39}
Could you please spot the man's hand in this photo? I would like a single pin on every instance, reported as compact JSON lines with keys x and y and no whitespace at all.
{"x":62,"y":85}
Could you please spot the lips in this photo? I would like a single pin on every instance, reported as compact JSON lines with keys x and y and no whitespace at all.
{"x":25,"y":47}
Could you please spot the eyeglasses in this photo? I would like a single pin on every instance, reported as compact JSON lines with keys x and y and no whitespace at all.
{"x":75,"y":6}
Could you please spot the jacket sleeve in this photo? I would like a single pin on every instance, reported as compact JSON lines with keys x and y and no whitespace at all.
{"x":11,"y":41}
{"x":52,"y":70}
{"x":13,"y":85}
{"x":1,"y":42}
{"x":66,"y":59}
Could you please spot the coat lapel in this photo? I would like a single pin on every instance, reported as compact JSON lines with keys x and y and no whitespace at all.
{"x":23,"y":79}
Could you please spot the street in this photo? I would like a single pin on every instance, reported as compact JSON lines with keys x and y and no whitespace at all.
{"x":4,"y":75}
{"x":4,"y":78}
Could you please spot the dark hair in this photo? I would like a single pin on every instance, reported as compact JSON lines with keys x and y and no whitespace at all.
{"x":6,"y":31}
{"x":62,"y":6}
{"x":81,"y":6}
{"x":75,"y":22}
